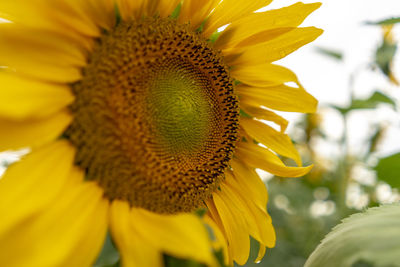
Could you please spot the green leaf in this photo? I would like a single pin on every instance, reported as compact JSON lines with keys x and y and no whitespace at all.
{"x":384,"y":56}
{"x":344,"y":111}
{"x":243,"y":114}
{"x":170,"y":261}
{"x":372,"y":236}
{"x":201,"y":212}
{"x":117,"y":264}
{"x":177,"y":11}
{"x":388,"y":170}
{"x":389,"y":21}
{"x":362,"y":264}
{"x":220,"y":257}
{"x":330,"y":53}
{"x":109,"y":256}
{"x":375,"y":139}
{"x":214,"y":37}
{"x":118,"y":17}
{"x":372,"y":102}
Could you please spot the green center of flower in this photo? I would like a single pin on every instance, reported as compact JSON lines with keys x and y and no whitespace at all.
{"x":155,"y":116}
{"x":180,"y":109}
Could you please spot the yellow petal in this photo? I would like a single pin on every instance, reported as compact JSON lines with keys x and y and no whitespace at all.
{"x":165,"y":8}
{"x":255,"y":23}
{"x":216,"y":223}
{"x":34,"y":182}
{"x":258,"y":221}
{"x":264,"y":114}
{"x":69,"y":13}
{"x":261,"y":37}
{"x":32,"y":132}
{"x":22,"y":98}
{"x":86,"y":17}
{"x":40,"y":54}
{"x":135,"y":250}
{"x":181,"y":235}
{"x":131,"y":9}
{"x":52,"y":16}
{"x":137,"y":9}
{"x":271,"y":50}
{"x":100,"y":12}
{"x":274,"y":140}
{"x":230,"y":10}
{"x":282,"y":97}
{"x":219,"y":238}
{"x":150,"y":7}
{"x":235,"y":227}
{"x":250,"y":181}
{"x":196,"y":11}
{"x":147,"y":7}
{"x":52,"y":236}
{"x":60,"y":16}
{"x":93,"y":232}
{"x":261,"y":253}
{"x":90,"y":245}
{"x":263,"y":75}
{"x":259,"y":157}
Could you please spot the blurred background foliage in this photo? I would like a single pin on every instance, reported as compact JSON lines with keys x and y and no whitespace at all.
{"x":305,"y":210}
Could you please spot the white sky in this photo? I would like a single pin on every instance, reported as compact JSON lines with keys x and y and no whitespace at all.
{"x":328,"y":80}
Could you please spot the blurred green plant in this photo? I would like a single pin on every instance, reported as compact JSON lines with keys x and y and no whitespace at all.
{"x":389,"y":21}
{"x":372,"y":102}
{"x":305,"y":210}
{"x":388,"y":170}
{"x":331,"y":53}
{"x":372,"y":236}
{"x":109,"y":256}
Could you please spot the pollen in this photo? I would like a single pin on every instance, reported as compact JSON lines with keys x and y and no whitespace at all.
{"x":155,"y":116}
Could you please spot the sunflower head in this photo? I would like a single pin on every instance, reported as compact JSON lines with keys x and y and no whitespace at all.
{"x":155,"y":116}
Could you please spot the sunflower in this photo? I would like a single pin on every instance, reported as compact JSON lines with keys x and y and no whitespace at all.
{"x":138,"y":114}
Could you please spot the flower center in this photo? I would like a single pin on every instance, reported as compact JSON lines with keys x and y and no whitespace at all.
{"x":155,"y":116}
